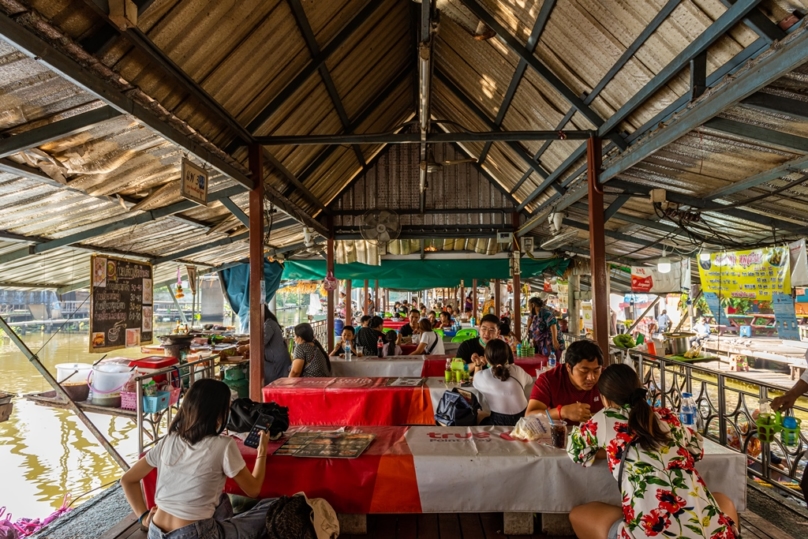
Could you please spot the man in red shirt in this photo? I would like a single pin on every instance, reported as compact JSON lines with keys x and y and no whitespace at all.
{"x":570,"y":391}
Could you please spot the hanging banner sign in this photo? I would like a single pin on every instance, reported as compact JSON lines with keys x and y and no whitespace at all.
{"x":650,"y":280}
{"x":563,"y":294}
{"x":194,"y":183}
{"x":799,"y":263}
{"x":755,"y":274}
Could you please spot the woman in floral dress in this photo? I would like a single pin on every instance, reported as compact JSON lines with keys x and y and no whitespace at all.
{"x":663,"y":494}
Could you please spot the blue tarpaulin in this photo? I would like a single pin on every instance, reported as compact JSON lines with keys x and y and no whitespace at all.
{"x":236,"y":287}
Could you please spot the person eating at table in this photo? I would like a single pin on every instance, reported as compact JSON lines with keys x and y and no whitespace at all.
{"x":433,"y":319}
{"x":309,"y":358}
{"x":473,"y":350}
{"x":348,"y":337}
{"x":502,"y":384}
{"x":445,"y":320}
{"x":450,"y":310}
{"x":569,"y":391}
{"x":368,"y":337}
{"x":429,"y":342}
{"x":391,"y":347}
{"x":408,"y":330}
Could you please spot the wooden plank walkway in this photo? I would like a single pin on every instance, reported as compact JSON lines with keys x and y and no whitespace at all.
{"x":462,"y":526}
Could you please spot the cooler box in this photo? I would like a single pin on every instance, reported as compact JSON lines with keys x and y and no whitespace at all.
{"x":148,"y":365}
{"x":746,"y":331}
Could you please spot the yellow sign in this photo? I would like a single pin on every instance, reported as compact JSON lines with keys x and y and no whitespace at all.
{"x":754,"y":274}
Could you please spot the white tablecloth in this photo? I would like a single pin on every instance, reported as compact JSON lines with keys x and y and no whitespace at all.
{"x":392,"y":366}
{"x":482,"y":469}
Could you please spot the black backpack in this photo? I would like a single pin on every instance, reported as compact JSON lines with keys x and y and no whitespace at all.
{"x":457,"y":408}
{"x":244,"y":413}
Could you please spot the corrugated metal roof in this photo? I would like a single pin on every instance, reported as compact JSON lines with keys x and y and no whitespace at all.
{"x":245,"y":55}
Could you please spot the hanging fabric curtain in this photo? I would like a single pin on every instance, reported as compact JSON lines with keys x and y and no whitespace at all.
{"x":236,"y":287}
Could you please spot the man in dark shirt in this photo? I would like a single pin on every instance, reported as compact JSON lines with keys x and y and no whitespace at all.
{"x":368,"y":337}
{"x":408,"y":330}
{"x":473,"y":350}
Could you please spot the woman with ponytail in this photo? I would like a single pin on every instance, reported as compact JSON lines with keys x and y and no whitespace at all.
{"x":502,"y":385}
{"x":652,"y":456}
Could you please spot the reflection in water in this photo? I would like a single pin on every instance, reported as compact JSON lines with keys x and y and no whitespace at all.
{"x":47,"y":452}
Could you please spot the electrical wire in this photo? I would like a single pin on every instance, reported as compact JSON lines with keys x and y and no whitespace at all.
{"x":72,"y":501}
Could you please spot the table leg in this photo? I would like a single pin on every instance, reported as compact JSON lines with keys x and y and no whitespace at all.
{"x":517,"y":523}
{"x":556,"y":524}
{"x":353,"y":524}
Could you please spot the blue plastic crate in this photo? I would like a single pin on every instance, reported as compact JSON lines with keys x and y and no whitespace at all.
{"x":158,"y":403}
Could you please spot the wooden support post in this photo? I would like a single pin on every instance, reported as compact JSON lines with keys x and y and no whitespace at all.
{"x":365,"y":298}
{"x":597,"y":246}
{"x":348,"y":303}
{"x":332,"y":294}
{"x":474,"y":299}
{"x":256,"y":162}
{"x":461,"y":306}
{"x":574,"y":309}
{"x":517,"y":291}
{"x":496,"y":297}
{"x":376,"y":302}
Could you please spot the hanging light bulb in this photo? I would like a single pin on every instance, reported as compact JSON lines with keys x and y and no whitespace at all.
{"x":664,"y":263}
{"x":704,"y":257}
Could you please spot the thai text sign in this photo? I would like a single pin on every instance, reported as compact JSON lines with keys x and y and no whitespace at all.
{"x":121,"y":303}
{"x":756,"y":274}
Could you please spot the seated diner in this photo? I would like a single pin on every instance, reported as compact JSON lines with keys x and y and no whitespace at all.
{"x":502,"y":384}
{"x":391,"y":347}
{"x":445,"y":320}
{"x":429,"y":342}
{"x":652,"y":456}
{"x":348,"y":337}
{"x":569,"y":391}
{"x":368,"y":337}
{"x":407,"y":331}
{"x":473,"y":350}
{"x":309,"y":358}
{"x":188,"y":503}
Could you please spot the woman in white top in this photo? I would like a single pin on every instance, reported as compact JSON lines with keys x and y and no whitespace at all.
{"x":430,"y":342}
{"x":502,"y":385}
{"x":193,"y":462}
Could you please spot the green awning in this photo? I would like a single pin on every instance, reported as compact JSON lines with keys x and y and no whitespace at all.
{"x":423,"y":274}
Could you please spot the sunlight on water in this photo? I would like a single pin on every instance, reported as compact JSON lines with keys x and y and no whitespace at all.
{"x":46,"y":452}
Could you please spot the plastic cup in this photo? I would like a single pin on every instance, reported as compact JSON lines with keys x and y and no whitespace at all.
{"x":558,"y":434}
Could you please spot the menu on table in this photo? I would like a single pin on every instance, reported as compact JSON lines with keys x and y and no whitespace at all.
{"x":121,"y":303}
{"x":346,"y":445}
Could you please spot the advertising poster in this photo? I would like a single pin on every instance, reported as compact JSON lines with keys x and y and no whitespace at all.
{"x":586,"y":308}
{"x":756,"y":274}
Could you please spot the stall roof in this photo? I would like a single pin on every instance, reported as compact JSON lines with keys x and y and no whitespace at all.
{"x":98,"y":113}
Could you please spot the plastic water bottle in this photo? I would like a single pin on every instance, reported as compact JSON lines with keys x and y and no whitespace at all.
{"x":687,"y":412}
{"x":519,"y":350}
{"x":551,"y":360}
{"x":347,"y":351}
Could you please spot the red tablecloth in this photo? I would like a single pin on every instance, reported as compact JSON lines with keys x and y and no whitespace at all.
{"x":351,"y":401}
{"x":408,"y":349}
{"x":393,"y":324}
{"x":435,"y":365}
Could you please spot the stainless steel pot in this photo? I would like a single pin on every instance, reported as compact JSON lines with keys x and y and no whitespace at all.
{"x":678,"y":343}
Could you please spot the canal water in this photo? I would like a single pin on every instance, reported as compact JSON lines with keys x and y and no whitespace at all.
{"x":46,"y":453}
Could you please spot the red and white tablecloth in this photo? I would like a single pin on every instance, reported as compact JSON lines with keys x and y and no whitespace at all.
{"x":393,"y":324}
{"x":351,"y":401}
{"x":409,"y":366}
{"x":461,"y":469}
